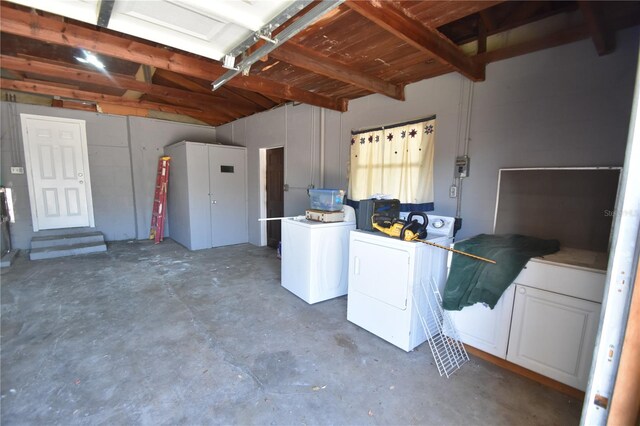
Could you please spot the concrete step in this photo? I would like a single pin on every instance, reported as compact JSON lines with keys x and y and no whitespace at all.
{"x":7,"y":259}
{"x":68,"y":250}
{"x":66,"y":240}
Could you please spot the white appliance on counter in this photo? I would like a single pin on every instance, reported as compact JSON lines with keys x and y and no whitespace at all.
{"x":386,"y":276}
{"x":314,"y":257}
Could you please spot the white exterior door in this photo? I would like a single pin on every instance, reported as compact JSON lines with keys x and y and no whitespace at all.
{"x":57,"y":172}
{"x":227,"y":186}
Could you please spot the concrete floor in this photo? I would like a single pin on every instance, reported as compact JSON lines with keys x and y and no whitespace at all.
{"x":155,"y":334}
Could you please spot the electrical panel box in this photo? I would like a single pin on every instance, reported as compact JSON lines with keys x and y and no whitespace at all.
{"x":462,"y":166}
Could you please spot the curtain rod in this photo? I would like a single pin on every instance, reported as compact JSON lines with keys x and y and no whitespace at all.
{"x":391,"y":126}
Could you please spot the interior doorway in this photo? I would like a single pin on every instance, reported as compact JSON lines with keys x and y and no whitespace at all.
{"x":274,"y":193}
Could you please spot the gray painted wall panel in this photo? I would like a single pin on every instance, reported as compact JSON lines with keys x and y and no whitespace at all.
{"x":441,"y":96}
{"x":334,"y":173}
{"x":301,"y":156}
{"x":265,"y":130}
{"x":148,"y":139}
{"x":297,"y":129}
{"x":109,"y":166}
{"x":224,"y":134}
{"x":121,"y":211}
{"x":542,"y":109}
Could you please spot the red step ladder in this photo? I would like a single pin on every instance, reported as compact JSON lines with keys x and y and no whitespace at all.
{"x":160,"y":201}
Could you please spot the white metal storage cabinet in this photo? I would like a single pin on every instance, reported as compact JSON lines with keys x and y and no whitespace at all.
{"x":207,"y":201}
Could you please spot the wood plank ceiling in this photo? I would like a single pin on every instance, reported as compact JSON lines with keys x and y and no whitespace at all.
{"x":359,"y":48}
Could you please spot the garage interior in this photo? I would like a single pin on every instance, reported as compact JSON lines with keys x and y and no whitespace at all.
{"x":157,"y":333}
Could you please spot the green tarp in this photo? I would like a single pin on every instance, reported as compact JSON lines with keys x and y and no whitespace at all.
{"x":472,"y":281}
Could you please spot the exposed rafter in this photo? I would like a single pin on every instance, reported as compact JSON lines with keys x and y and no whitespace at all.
{"x":386,"y":15}
{"x":602,"y":38}
{"x":51,"y":90}
{"x":360,"y":47}
{"x":235,"y":96}
{"x":556,"y":39}
{"x":175,"y":96}
{"x":302,"y":57}
{"x":51,"y":31}
{"x":253,"y":97}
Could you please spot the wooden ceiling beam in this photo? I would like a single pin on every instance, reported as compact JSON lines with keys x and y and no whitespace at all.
{"x":144,"y":74}
{"x":184,"y":82}
{"x":559,"y":38}
{"x":51,"y":90}
{"x":174,"y":96}
{"x":616,"y":22}
{"x":234,"y":98}
{"x":487,"y":20}
{"x":308,"y":59}
{"x":253,"y":97}
{"x":36,"y":27}
{"x":602,"y":38}
{"x":387,"y":16}
{"x":482,"y":36}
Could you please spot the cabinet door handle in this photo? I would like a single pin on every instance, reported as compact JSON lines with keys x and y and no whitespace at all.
{"x":356,"y":266}
{"x":521,"y":290}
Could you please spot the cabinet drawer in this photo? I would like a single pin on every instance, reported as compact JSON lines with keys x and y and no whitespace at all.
{"x":578,"y":282}
{"x":553,"y":335}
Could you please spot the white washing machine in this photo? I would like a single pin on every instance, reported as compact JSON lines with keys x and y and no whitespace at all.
{"x":387,"y":277}
{"x":315,"y":258}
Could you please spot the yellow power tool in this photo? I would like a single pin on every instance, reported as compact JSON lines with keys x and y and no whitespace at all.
{"x":407,"y":230}
{"x":413,"y":230}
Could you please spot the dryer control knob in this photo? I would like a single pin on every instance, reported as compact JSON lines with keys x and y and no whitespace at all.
{"x":438,"y":223}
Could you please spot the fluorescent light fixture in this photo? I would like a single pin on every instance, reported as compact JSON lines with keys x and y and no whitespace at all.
{"x":91,"y":59}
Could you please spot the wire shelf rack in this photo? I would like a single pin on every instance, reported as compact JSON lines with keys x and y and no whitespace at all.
{"x":447,"y":349}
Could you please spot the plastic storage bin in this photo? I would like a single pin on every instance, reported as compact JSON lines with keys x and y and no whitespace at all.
{"x":326,"y":199}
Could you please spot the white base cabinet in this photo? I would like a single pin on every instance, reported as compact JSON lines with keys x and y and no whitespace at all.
{"x":484,"y":328}
{"x":546,"y":321}
{"x":553,"y":334}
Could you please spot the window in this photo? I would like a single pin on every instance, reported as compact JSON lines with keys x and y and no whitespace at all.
{"x":395,"y":160}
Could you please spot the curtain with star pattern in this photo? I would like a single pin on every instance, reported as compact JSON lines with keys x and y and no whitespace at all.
{"x":397,"y":161}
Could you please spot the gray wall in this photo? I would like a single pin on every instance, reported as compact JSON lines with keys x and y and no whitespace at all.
{"x":559,"y":107}
{"x":296,"y":128}
{"x":563,"y":106}
{"x":123,"y":154}
{"x":148,"y":137}
{"x":109,"y":165}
